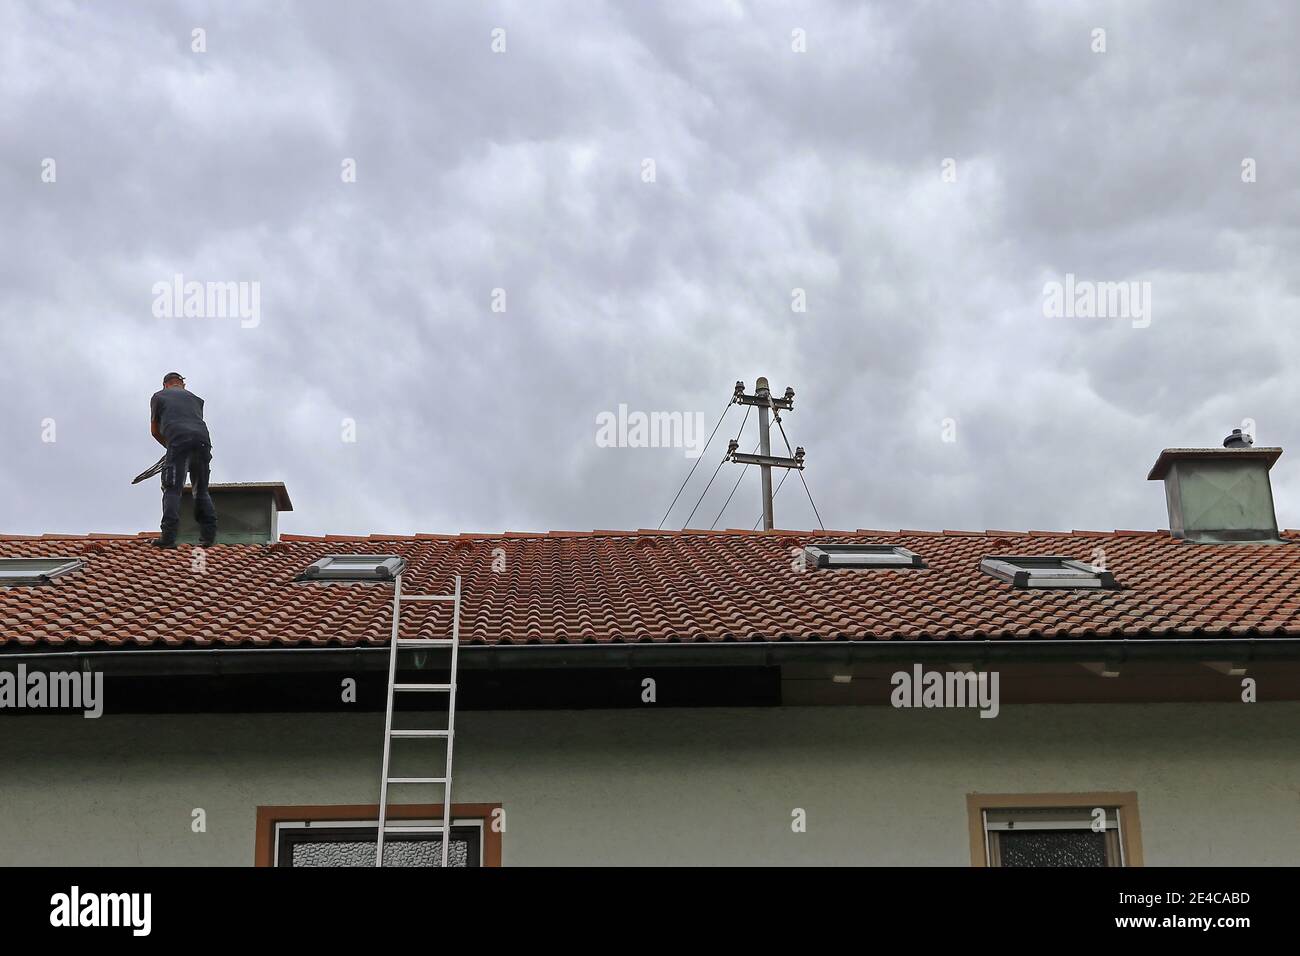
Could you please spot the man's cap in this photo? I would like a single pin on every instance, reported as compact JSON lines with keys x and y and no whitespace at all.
{"x":173,"y":376}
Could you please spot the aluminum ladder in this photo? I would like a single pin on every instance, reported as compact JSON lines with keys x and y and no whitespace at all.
{"x":397,"y":645}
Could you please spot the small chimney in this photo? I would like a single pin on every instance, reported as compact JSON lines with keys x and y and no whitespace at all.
{"x":247,"y":512}
{"x":1220,"y":495}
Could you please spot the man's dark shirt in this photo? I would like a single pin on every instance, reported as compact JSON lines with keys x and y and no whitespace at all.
{"x":179,"y":415}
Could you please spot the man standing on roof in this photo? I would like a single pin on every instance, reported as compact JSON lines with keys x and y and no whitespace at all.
{"x":177,"y":423}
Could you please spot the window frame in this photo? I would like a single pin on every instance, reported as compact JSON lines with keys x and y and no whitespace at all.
{"x":387,"y":568}
{"x":1012,"y":569}
{"x":366,"y":816}
{"x":1124,"y":803}
{"x":826,"y":553}
{"x":59,"y":566}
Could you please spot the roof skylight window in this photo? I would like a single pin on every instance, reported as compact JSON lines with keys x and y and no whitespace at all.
{"x":354,"y":567}
{"x":35,"y":570}
{"x":831,"y":555}
{"x":1051,"y":571}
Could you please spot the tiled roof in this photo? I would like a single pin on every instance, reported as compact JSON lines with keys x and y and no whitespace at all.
{"x":646,"y":586}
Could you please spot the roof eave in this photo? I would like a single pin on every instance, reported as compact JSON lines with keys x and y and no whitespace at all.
{"x":730,"y":653}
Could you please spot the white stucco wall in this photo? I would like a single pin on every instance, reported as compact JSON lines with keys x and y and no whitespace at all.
{"x":1217,"y":784}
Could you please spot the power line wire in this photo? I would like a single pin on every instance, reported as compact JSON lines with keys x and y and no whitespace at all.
{"x":733,"y":490}
{"x":715,"y":474}
{"x":811,"y":502}
{"x":801,"y":478}
{"x":696,"y":465}
{"x":703,"y":493}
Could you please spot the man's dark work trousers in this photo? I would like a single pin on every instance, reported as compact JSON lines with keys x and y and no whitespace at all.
{"x":194,"y":458}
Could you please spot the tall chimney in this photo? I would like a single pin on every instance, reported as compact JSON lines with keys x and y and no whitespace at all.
{"x":1220,"y":495}
{"x":247,"y":512}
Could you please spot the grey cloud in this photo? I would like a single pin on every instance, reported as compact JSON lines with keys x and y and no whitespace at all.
{"x":522,"y":171}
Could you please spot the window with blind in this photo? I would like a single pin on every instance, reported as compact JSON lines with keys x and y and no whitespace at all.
{"x":1053,"y":836}
{"x":323,"y":844}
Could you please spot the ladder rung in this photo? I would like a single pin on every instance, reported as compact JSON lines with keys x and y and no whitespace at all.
{"x":420,"y":733}
{"x":424,"y":642}
{"x":427,"y":597}
{"x":429,"y":688}
{"x":417,"y":779}
{"x":388,"y":829}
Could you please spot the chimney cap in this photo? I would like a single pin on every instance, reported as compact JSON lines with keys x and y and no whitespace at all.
{"x":276,"y":488}
{"x":1170,"y":455}
{"x":1238,"y":439}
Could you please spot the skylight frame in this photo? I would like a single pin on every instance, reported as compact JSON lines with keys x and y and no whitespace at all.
{"x":53,"y":567}
{"x":355,"y":568}
{"x":1029,"y":571}
{"x":835,"y":554}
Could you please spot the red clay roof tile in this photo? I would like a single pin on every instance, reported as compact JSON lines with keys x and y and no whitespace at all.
{"x":625,"y":586}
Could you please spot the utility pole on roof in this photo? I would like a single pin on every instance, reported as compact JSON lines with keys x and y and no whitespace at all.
{"x":762,"y":398}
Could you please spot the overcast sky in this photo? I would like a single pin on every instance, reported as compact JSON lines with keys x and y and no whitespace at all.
{"x":793,"y":147}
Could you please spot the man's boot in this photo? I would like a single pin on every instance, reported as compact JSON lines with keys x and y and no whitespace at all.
{"x":163,"y":543}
